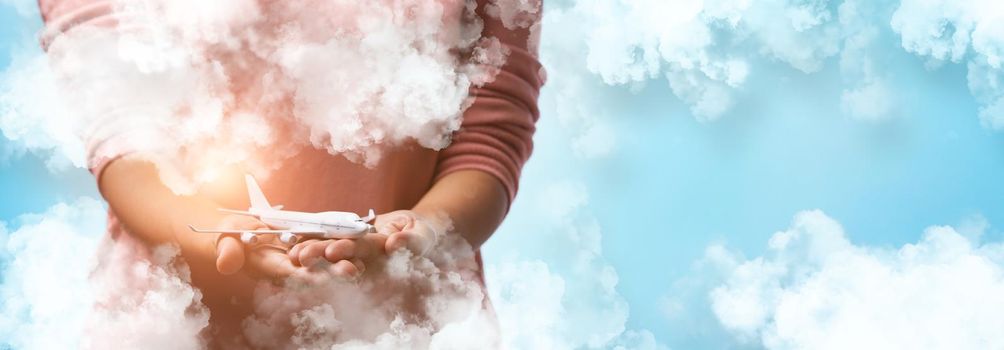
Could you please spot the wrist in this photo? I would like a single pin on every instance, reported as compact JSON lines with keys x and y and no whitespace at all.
{"x":436,"y":218}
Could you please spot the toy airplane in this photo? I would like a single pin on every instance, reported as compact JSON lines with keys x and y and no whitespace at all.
{"x":291,"y":224}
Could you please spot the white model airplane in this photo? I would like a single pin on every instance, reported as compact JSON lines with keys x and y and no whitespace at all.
{"x":291,"y":224}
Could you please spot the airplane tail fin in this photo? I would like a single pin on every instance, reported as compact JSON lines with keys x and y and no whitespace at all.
{"x":257,"y":198}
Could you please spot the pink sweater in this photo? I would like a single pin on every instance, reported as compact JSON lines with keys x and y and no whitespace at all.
{"x":495,"y":136}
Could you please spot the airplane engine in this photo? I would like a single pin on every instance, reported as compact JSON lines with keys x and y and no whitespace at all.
{"x":287,"y":238}
{"x":249,"y":238}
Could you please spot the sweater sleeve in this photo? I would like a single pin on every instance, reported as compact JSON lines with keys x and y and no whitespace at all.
{"x":102,"y":144}
{"x":497,"y":129}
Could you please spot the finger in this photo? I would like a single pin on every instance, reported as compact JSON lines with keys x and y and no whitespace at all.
{"x":229,"y":255}
{"x":312,"y":253}
{"x":343,"y":249}
{"x":345,"y":269}
{"x":391,"y":223}
{"x":367,"y":247}
{"x":410,"y":240}
{"x":360,"y":265}
{"x":294,"y":253}
{"x":274,"y":264}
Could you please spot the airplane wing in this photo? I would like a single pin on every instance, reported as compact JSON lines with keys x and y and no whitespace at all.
{"x":274,"y":232}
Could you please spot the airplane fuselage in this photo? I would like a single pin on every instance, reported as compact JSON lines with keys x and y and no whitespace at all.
{"x":334,"y":224}
{"x":289,"y":225}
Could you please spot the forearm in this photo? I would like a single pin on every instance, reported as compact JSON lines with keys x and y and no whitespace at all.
{"x":473,"y":201}
{"x":153,"y":213}
{"x":496,"y":134}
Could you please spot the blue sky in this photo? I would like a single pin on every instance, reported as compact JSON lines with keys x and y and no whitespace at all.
{"x":676,"y":185}
{"x":671,"y":185}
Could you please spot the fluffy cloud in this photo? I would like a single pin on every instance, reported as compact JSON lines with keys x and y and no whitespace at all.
{"x":565,"y":299}
{"x":162,"y":83}
{"x":705,"y":49}
{"x":62,"y":275}
{"x":869,"y":102}
{"x":571,"y":96}
{"x":43,"y":273}
{"x":30,"y":120}
{"x":955,"y":31}
{"x":418,"y":302}
{"x":572,"y":290}
{"x":52,"y":284}
{"x":517,"y":13}
{"x":987,"y":84}
{"x":814,"y":289}
{"x":868,"y":92}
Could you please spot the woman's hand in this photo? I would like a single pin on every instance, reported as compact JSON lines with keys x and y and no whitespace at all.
{"x":265,"y":259}
{"x":345,"y":258}
{"x":407,"y":229}
{"x":402,"y":229}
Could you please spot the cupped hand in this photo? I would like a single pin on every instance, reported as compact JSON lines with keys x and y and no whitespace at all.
{"x":407,"y":229}
{"x":345,"y":258}
{"x":402,"y":229}
{"x":265,"y":259}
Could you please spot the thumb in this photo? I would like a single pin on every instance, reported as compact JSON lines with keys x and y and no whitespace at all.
{"x":417,"y":243}
{"x":229,"y":254}
{"x":393,"y":222}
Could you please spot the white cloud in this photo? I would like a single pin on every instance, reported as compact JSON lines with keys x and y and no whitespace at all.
{"x":408,"y":301}
{"x":972,"y":30}
{"x":572,"y":291}
{"x":597,"y":140}
{"x":867,"y":94}
{"x":516,"y":13}
{"x":939,"y":28}
{"x":55,"y":282}
{"x":987,"y":84}
{"x":576,"y":103}
{"x":166,"y":85}
{"x":870,"y":102}
{"x":61,"y":275}
{"x":814,"y":289}
{"x":30,"y":120}
{"x":566,"y":299}
{"x":43,"y":272}
{"x":705,"y":49}
{"x":529,"y":298}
